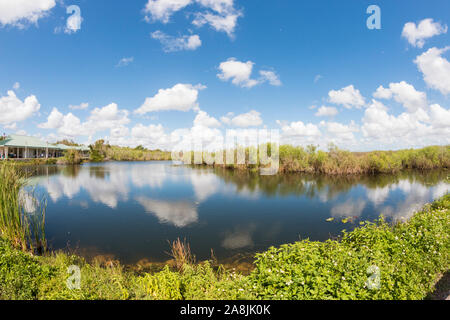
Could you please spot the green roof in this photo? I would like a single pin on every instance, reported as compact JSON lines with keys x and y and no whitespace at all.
{"x":15,"y":140}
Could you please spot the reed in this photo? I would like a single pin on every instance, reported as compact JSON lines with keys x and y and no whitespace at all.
{"x":181,"y":253}
{"x":22,"y":217}
{"x":335,"y":161}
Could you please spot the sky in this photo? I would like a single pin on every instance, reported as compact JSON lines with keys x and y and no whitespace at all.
{"x":153,"y":72}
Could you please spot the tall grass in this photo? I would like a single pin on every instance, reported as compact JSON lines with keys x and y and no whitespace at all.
{"x":101,"y":151}
{"x":337,"y":161}
{"x":181,"y":253}
{"x":22,"y":217}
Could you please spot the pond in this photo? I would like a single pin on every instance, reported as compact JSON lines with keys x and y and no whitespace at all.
{"x":131,"y":210}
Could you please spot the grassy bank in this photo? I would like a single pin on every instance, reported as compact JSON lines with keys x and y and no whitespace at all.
{"x":375,"y":261}
{"x":341,"y":162}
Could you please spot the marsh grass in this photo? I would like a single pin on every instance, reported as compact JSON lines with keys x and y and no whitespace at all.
{"x":181,"y":253}
{"x":22,"y":217}
{"x":335,"y":161}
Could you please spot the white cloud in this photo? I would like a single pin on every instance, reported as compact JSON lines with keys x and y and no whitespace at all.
{"x":205,"y":120}
{"x":151,"y":136}
{"x":81,"y":106}
{"x":340,"y":133}
{"x":220,"y":22}
{"x":106,"y":118}
{"x":317,"y":78}
{"x":219,"y":14}
{"x":240,"y":74}
{"x":349,"y":97}
{"x":271,"y":77}
{"x":220,"y":6}
{"x":19,"y":12}
{"x":181,"y":97}
{"x":299,"y":129}
{"x":100,"y":119}
{"x":54,"y":121}
{"x":172,"y":44}
{"x":404,"y":94}
{"x":440,"y":117}
{"x":250,"y":119}
{"x":326,"y":112}
{"x":435,"y":69}
{"x":416,"y":35}
{"x":72,"y":127}
{"x":407,"y":129}
{"x":12,"y":109}
{"x":16,"y":86}
{"x":162,"y":10}
{"x":125,"y":61}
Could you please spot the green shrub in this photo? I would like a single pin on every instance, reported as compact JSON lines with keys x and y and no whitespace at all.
{"x":72,"y":157}
{"x":409,"y":257}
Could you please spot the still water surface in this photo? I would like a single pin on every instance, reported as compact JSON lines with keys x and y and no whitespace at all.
{"x":130,"y":210}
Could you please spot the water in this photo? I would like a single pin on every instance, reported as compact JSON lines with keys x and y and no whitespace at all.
{"x":129,"y":210}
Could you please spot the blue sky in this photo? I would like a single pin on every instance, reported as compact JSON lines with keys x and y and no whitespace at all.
{"x":308,"y":68}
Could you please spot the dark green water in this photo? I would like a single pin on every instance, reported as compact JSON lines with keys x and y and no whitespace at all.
{"x":131,"y":210}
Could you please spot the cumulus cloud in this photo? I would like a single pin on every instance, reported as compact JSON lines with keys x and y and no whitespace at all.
{"x":435,"y":69}
{"x":20,"y":12}
{"x":240,"y":74}
{"x":271,"y":77}
{"x":326,"y":112}
{"x":221,"y":15}
{"x":404,"y":94}
{"x":181,"y":97}
{"x":172,"y":44}
{"x":407,"y":129}
{"x":440,"y":117}
{"x":12,"y":109}
{"x":105,"y":118}
{"x":220,"y":22}
{"x":162,"y":10}
{"x":250,"y":119}
{"x":299,"y":129}
{"x":100,"y":119}
{"x":71,"y":126}
{"x":340,"y":133}
{"x":54,"y":121}
{"x":349,"y":97}
{"x":417,"y":34}
{"x":205,"y":120}
{"x":152,"y":136}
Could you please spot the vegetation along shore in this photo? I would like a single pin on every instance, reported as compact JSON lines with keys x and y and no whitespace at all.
{"x":341,"y":162}
{"x":292,"y":159}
